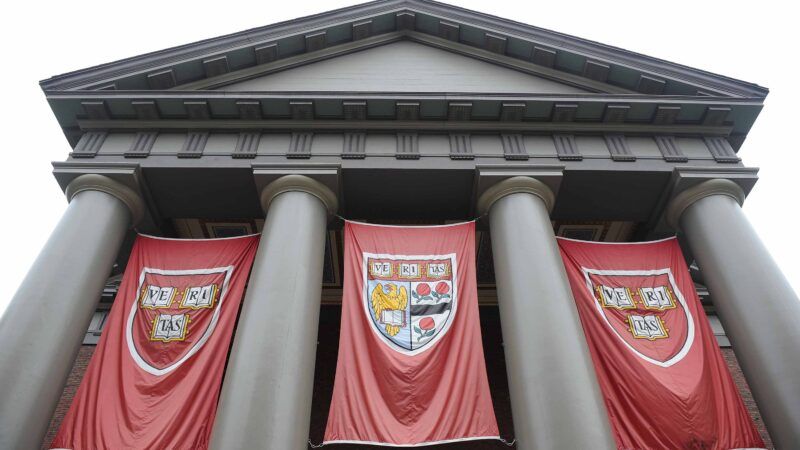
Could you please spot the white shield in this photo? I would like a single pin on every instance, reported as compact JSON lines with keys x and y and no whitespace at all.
{"x":410,"y":300}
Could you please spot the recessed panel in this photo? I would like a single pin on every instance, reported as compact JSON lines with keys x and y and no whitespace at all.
{"x":403,"y":67}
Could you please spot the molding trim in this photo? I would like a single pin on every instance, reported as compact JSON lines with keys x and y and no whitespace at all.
{"x":407,"y":126}
{"x":290,"y":62}
{"x":520,"y":65}
{"x":89,"y":144}
{"x":515,"y":185}
{"x":299,"y":183}
{"x":632,"y":99}
{"x":94,"y":182}
{"x":717,"y":186}
{"x":354,"y":146}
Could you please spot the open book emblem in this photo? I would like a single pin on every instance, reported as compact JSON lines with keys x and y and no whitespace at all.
{"x":410,"y":299}
{"x":645,"y":310}
{"x":173,"y":315}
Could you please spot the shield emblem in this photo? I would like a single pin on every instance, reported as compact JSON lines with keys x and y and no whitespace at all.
{"x":410,"y":300}
{"x":174,"y":314}
{"x":645,"y":310}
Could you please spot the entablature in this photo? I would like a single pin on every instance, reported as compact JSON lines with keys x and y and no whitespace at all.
{"x":581,"y":149}
{"x":442,"y":182}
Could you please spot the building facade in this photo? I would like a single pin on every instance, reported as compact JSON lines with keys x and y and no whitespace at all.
{"x":400,"y":112}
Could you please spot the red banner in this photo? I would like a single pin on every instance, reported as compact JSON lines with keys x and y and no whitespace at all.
{"x":663,"y":378}
{"x":154,"y":379}
{"x":411,"y":368}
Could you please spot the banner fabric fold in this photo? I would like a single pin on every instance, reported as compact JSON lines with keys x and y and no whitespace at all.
{"x":410,"y":369}
{"x":154,"y":379}
{"x":660,"y":369}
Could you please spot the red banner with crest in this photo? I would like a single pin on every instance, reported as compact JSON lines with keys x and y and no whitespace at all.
{"x":411,"y":368}
{"x":662,"y":374}
{"x":154,"y":379}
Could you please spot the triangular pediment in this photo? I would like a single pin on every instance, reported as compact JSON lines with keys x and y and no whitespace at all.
{"x":558,"y":57}
{"x":403,"y":66}
{"x":402,"y":60}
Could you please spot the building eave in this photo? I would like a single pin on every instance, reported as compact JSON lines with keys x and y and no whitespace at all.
{"x":80,"y":111}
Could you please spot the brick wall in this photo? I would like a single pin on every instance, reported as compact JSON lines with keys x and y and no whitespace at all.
{"x":326,"y":361}
{"x":747,"y":397}
{"x":74,"y":380}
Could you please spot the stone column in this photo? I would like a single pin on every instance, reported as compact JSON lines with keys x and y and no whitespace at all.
{"x":755,"y":303}
{"x":555,"y":398}
{"x":46,"y":321}
{"x":266,"y":396}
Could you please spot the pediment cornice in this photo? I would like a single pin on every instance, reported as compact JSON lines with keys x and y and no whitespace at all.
{"x":568,"y":55}
{"x":175,"y":87}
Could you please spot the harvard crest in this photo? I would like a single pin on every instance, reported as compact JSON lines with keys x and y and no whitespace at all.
{"x":411,"y":300}
{"x":174,"y":314}
{"x":645,"y":310}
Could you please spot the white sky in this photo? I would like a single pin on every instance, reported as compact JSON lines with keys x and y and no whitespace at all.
{"x":750,"y":41}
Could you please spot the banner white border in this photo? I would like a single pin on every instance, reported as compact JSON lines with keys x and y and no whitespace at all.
{"x":421,"y":444}
{"x":690,"y":319}
{"x":144,"y":365}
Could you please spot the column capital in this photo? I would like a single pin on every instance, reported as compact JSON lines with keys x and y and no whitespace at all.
{"x":299,"y":183}
{"x":101,"y":183}
{"x":687,"y":197}
{"x":515,"y":185}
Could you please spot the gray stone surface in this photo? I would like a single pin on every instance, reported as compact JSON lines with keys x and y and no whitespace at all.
{"x":46,"y":321}
{"x":754,"y":301}
{"x":555,"y":399}
{"x":266,"y":396}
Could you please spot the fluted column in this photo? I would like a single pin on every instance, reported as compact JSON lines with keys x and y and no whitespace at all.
{"x":46,"y":321}
{"x":266,"y":396}
{"x":555,"y":398}
{"x":754,"y":301}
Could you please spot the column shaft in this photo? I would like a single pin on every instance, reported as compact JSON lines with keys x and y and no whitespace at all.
{"x":46,"y":321}
{"x":756,"y":305}
{"x":266,"y":395}
{"x":555,"y":397}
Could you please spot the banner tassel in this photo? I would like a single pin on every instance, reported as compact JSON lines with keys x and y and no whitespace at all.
{"x":509,"y":444}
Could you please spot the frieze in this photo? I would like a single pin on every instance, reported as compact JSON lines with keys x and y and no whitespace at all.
{"x":513,"y":147}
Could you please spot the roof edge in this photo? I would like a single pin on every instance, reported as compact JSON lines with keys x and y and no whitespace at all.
{"x":536,"y":35}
